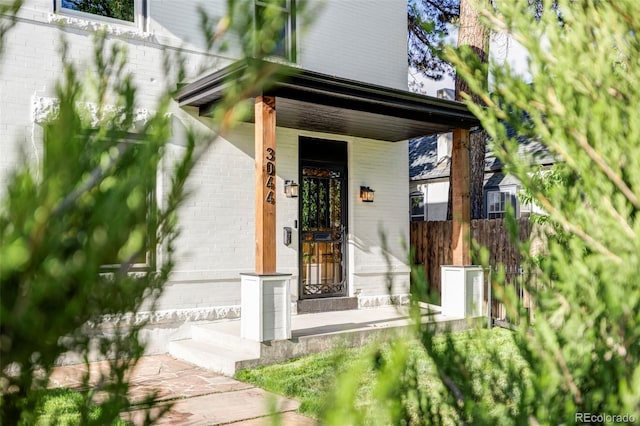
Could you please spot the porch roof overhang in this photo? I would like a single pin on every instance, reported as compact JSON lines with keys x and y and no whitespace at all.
{"x":317,"y":102}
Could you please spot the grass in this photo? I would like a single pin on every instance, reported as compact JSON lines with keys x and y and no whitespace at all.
{"x":59,"y":406}
{"x":62,"y":407}
{"x":312,"y":379}
{"x":308,"y":379}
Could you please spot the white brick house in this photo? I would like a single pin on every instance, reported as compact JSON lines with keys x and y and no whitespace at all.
{"x":343,"y":123}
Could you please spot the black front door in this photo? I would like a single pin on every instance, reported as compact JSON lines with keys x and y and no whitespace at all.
{"x":323,"y":219}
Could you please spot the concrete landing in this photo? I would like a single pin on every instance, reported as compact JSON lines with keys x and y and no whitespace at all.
{"x":217,"y":346}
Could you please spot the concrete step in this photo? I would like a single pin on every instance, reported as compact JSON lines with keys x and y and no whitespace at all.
{"x":225,"y":336}
{"x":209,"y":356}
{"x":328,"y":304}
{"x":218,"y":347}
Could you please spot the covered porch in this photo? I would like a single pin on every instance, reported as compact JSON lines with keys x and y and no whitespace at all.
{"x":343,"y":137}
{"x":337,"y":109}
{"x":322,"y":252}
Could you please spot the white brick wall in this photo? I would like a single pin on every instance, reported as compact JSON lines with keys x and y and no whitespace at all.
{"x":220,"y":211}
{"x":361,"y":40}
{"x":218,"y":236}
{"x":31,"y":63}
{"x":217,"y":240}
{"x":384,"y":167}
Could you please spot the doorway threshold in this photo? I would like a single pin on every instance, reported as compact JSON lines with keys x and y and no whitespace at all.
{"x":327,"y":304}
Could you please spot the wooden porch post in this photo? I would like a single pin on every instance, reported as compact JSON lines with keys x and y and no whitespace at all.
{"x":265,"y":296}
{"x":265,"y":145}
{"x":461,"y":215}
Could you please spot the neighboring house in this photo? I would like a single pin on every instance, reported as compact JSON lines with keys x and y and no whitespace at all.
{"x":342,"y":126}
{"x":429,"y":165}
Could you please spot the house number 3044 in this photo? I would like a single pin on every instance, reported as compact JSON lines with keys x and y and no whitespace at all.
{"x":271,"y":173}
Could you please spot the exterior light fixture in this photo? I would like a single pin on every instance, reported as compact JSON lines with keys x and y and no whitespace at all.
{"x":366,"y":194}
{"x":290,"y":189}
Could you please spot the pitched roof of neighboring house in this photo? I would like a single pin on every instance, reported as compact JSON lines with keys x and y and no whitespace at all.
{"x":423,"y":159}
{"x":424,"y":164}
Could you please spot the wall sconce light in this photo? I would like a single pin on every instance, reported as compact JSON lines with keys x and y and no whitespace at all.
{"x":366,"y":194}
{"x":290,"y":189}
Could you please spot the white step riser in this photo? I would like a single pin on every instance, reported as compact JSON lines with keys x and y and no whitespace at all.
{"x":182,"y":349}
{"x":227,"y":341}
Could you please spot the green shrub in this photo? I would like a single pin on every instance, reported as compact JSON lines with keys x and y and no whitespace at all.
{"x":581,"y":352}
{"x":80,"y":233}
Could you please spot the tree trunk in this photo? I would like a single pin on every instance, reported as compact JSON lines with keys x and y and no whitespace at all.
{"x":472,"y":33}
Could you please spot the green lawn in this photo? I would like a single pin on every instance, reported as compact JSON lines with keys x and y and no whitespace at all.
{"x":312,"y":379}
{"x":62,"y":407}
{"x":308,"y":379}
{"x":59,"y":406}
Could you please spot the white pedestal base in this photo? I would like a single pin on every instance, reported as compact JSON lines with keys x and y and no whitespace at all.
{"x":265,"y":307}
{"x":462,"y":291}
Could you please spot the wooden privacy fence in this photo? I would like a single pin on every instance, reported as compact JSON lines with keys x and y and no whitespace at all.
{"x":431,"y":244}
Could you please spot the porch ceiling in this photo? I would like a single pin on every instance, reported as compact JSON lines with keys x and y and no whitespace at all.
{"x":317,"y":102}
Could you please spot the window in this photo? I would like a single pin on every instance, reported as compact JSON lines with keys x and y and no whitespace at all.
{"x":497,"y":202}
{"x":280,"y":14}
{"x":144,"y":213}
{"x":135,"y":189}
{"x":418,"y":206}
{"x":127,"y":12}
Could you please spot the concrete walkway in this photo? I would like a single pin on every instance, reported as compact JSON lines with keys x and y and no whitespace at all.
{"x":200,"y":397}
{"x":203,"y":397}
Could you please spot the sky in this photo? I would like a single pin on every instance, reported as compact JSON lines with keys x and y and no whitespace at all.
{"x":502,"y":49}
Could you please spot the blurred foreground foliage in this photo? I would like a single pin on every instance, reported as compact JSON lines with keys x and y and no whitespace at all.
{"x":87,"y":206}
{"x":86,"y":246}
{"x":580,"y":350}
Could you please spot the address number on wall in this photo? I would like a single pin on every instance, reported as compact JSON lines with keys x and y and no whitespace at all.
{"x":270,"y":166}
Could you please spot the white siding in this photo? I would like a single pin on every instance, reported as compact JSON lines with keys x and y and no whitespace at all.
{"x":437,"y":196}
{"x":364,"y":40}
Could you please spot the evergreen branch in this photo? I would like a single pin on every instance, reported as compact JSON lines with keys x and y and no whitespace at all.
{"x":94,"y":178}
{"x":574,"y":229}
{"x":619,"y":218}
{"x":604,"y":167}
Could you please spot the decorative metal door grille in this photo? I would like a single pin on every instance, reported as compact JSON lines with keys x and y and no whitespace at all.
{"x":322,"y":233}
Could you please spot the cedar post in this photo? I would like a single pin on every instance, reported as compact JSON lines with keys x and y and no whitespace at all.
{"x":461,"y":214}
{"x":265,"y":145}
{"x":265,"y":318}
